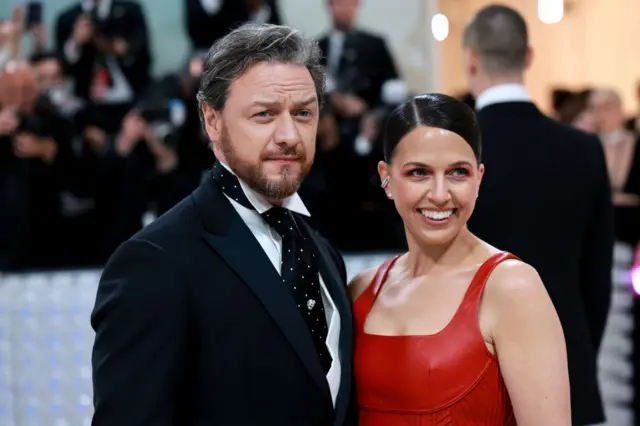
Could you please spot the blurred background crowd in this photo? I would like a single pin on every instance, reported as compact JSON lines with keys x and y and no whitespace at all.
{"x":95,"y":143}
{"x":99,"y":128}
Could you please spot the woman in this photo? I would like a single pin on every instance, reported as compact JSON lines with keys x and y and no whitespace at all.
{"x":455,"y":331}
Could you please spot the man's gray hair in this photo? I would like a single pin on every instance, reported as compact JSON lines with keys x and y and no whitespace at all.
{"x":234,"y":54}
{"x":498,"y":35}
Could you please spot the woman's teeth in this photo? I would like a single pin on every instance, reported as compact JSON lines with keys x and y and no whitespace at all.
{"x":437,"y":215}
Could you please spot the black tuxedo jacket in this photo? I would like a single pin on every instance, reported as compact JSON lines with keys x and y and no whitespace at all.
{"x":365,"y":64}
{"x":194,"y":328}
{"x":545,"y":197}
{"x":205,"y":29}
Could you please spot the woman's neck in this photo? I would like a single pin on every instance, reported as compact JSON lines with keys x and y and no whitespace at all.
{"x":423,"y":259}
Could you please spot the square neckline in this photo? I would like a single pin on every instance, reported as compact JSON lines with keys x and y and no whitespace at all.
{"x":383,"y":272}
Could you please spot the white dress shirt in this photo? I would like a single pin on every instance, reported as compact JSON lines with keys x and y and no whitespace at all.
{"x":502,"y":93}
{"x":271,"y":243}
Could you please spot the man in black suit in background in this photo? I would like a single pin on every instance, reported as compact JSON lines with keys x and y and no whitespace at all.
{"x":110,"y":34}
{"x":545,"y":195}
{"x":229,"y":309}
{"x":207,"y":21}
{"x":359,"y":66}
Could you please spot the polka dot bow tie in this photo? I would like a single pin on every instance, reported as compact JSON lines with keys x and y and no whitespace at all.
{"x":298,"y":269}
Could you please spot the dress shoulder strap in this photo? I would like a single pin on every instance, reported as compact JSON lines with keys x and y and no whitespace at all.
{"x":381,"y":275}
{"x":474,"y":292}
{"x":365,"y":301}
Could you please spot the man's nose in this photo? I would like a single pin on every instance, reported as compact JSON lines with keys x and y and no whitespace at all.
{"x":286,"y":131}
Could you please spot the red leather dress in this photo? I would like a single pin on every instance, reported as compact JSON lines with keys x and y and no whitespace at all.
{"x":446,"y":379}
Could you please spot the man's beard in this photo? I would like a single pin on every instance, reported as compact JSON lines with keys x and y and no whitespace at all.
{"x":252,"y":175}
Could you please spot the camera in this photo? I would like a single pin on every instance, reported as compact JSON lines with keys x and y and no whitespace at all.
{"x":165,"y":119}
{"x":163,"y":110}
{"x":34,"y":125}
{"x":40,"y":122}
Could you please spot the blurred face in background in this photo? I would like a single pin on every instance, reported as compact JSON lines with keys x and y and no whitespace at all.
{"x":18,"y":87}
{"x":606,"y":108}
{"x":585,"y":121}
{"x":343,"y":13}
{"x":266,"y":132}
{"x":48,"y":74}
{"x":190,"y":77}
{"x":433,"y":179}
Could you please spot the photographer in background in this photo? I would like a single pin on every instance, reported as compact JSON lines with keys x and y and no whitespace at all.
{"x":196,"y":157}
{"x":139,"y":171}
{"x":33,"y":152}
{"x":105,"y":48}
{"x":52,"y":83}
{"x":360,"y":73}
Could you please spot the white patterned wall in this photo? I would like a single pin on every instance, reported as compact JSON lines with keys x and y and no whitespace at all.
{"x":615,"y":367}
{"x":45,"y":345}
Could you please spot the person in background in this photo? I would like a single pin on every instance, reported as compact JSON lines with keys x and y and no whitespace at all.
{"x":105,"y":49}
{"x":622,"y":151}
{"x":545,"y":196}
{"x":206,"y":21}
{"x":34,"y":150}
{"x":52,"y":82}
{"x":363,"y":84}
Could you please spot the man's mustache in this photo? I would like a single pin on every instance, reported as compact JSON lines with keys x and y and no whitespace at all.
{"x":288,"y":151}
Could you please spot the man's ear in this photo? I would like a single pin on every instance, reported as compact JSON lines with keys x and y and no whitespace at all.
{"x":212,"y":123}
{"x":471,"y":61}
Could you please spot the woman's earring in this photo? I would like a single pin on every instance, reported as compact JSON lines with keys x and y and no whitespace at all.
{"x":385,"y":183}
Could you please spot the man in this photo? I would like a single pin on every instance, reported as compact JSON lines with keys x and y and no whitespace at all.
{"x":104,"y":47}
{"x":545,"y":195}
{"x":34,"y":152}
{"x":214,"y":314}
{"x":208,"y":20}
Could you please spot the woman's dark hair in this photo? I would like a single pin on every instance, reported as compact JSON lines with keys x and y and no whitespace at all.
{"x":432,"y":110}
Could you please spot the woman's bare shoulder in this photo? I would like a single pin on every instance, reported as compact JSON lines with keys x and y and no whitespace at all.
{"x":361,"y":281}
{"x":515,"y":281}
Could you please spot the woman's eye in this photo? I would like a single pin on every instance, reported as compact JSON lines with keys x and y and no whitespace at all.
{"x":460,"y":172}
{"x":418,"y":173}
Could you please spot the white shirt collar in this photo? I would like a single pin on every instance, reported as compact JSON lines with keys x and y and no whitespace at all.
{"x":293,"y":203}
{"x":502,"y":93}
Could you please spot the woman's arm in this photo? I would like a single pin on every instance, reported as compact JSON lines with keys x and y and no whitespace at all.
{"x":530,"y":345}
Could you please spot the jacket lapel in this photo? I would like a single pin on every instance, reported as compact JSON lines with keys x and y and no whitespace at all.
{"x":231,"y":239}
{"x":337,"y":286}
